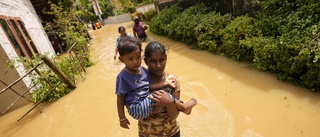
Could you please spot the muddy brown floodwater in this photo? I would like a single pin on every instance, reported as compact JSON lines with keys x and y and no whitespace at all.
{"x":234,"y":100}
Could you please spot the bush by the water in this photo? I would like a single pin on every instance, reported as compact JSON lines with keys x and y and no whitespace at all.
{"x":283,"y":38}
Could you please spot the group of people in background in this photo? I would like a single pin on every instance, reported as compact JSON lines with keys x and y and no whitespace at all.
{"x":139,"y":32}
{"x":150,"y":95}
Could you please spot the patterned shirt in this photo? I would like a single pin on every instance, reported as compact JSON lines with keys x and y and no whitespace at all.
{"x":160,"y":124}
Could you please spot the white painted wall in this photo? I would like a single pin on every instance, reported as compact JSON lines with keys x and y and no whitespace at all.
{"x":24,"y":10}
{"x":146,"y":8}
{"x":118,"y":19}
{"x":127,"y":16}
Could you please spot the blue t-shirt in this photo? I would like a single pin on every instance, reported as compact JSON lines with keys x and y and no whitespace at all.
{"x":134,"y":87}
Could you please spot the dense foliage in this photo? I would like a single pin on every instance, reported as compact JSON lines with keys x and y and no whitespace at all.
{"x":69,"y":27}
{"x":44,"y":78}
{"x":161,"y":21}
{"x":86,"y":11}
{"x":208,"y":30}
{"x":181,"y":28}
{"x":282,"y":38}
{"x":239,"y":29}
{"x":149,"y":15}
{"x":142,"y":2}
{"x":129,"y":5}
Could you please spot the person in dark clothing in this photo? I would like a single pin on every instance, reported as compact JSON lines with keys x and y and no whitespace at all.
{"x":93,"y":26}
{"x":139,"y":29}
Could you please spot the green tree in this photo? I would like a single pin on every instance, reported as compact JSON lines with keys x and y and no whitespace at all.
{"x":126,"y":5}
{"x":66,"y":24}
{"x":86,"y":10}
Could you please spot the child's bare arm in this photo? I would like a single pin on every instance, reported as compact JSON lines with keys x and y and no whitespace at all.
{"x":124,"y":122}
{"x":161,"y":85}
{"x":115,"y":54}
{"x":158,"y":85}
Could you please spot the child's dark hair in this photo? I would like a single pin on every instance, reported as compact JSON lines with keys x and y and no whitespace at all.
{"x":128,"y":45}
{"x":152,"y":47}
{"x":121,"y":28}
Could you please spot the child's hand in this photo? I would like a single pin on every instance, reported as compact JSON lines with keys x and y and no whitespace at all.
{"x":172,"y":83}
{"x":125,"y":123}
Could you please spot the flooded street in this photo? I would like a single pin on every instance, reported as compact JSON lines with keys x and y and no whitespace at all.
{"x":234,"y":100}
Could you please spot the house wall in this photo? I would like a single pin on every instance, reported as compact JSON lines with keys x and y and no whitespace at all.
{"x":24,"y":10}
{"x":9,"y":75}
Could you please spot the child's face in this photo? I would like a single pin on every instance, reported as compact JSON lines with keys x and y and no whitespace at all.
{"x":132,"y":61}
{"x":157,"y":63}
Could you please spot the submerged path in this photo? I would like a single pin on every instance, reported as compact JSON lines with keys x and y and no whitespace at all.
{"x":234,"y":100}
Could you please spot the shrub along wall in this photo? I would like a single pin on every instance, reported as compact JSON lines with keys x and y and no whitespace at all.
{"x":282,"y":39}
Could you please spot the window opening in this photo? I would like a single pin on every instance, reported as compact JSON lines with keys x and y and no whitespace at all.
{"x":11,"y":37}
{"x":20,"y":35}
{"x":24,"y":30}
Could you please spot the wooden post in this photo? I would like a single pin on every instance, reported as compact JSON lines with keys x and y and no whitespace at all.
{"x":58,"y":72}
{"x":233,"y":9}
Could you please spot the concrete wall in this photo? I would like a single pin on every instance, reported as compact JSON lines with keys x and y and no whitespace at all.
{"x":127,"y":17}
{"x":145,"y":8}
{"x":118,"y":19}
{"x":24,"y":10}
